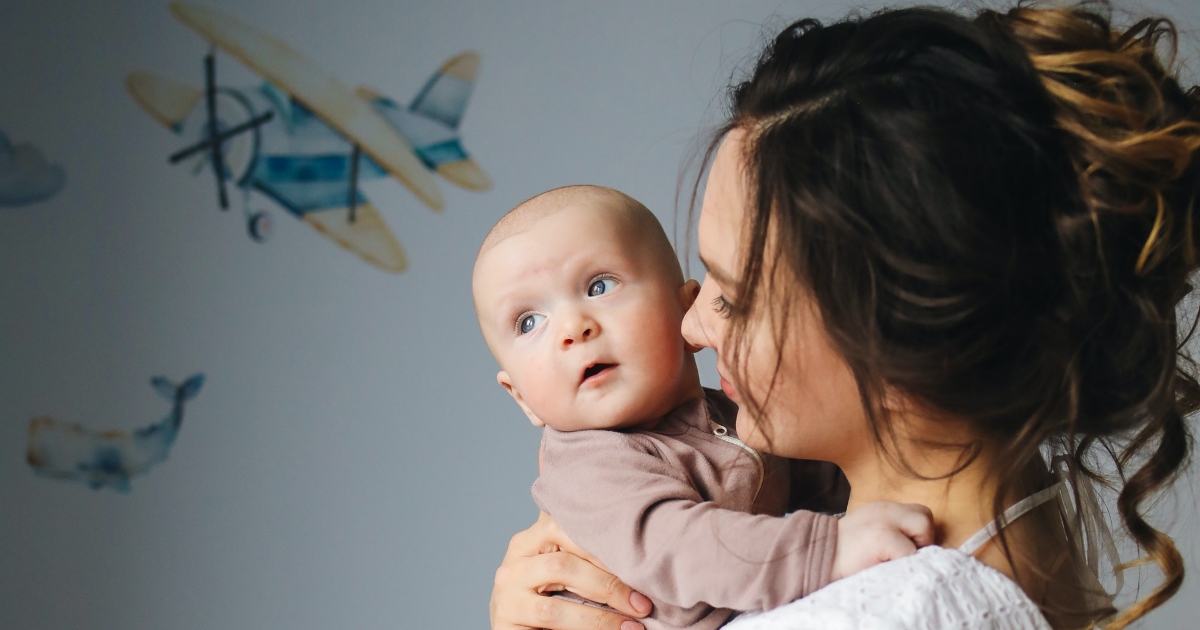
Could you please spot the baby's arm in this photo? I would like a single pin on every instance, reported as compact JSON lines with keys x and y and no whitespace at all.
{"x":642,"y":518}
{"x":615,"y":497}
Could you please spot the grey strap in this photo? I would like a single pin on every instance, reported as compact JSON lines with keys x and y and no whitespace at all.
{"x":1014,"y":512}
{"x":1088,"y":528}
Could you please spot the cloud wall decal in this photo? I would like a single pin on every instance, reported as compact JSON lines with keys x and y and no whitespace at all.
{"x":25,"y":175}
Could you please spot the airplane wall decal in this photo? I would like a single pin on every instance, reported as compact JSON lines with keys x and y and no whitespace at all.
{"x":304,"y":140}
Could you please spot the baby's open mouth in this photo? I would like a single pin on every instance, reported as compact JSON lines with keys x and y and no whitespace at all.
{"x":596,"y":368}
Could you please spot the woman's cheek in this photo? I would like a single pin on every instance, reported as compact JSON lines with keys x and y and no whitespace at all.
{"x":767,"y":381}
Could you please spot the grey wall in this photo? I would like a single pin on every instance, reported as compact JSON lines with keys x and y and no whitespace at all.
{"x":350,"y":462}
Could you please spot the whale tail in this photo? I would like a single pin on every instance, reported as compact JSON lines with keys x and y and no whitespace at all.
{"x":178,"y":392}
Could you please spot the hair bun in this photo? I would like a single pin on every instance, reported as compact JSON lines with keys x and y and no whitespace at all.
{"x":1133,"y":132}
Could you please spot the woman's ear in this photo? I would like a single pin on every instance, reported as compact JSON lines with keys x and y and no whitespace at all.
{"x":688,"y":293}
{"x":506,"y":382}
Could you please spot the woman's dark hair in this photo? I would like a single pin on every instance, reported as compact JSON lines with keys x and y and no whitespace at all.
{"x":994,"y":217}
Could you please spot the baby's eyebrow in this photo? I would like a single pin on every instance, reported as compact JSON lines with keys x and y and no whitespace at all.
{"x":508,"y":310}
{"x":510,"y":304}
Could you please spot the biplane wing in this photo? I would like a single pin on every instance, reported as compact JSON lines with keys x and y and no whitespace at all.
{"x":319,"y":91}
{"x":314,"y":189}
{"x":366,"y":235}
{"x":167,"y":101}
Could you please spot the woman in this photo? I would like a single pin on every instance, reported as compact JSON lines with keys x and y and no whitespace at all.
{"x":936,"y":249}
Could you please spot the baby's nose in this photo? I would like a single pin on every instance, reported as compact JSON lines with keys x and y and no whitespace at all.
{"x":579,"y":335}
{"x":583,"y":329}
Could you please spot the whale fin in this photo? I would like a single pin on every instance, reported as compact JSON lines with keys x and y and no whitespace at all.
{"x":171,"y":391}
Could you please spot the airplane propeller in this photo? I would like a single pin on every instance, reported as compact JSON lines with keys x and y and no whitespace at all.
{"x":214,"y":141}
{"x":354,"y":156}
{"x":214,"y":136}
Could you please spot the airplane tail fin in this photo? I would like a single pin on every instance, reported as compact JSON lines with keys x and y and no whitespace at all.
{"x":446,"y":156}
{"x":444,"y":101}
{"x":445,"y":95}
{"x":181,"y":392}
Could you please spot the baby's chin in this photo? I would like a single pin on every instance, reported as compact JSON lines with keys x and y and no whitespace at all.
{"x":620,"y":406}
{"x":630,"y":414}
{"x":610,"y":423}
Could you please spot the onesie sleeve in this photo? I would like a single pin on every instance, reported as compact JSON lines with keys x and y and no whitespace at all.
{"x":616,"y":497}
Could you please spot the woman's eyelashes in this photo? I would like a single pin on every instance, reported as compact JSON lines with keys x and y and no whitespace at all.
{"x":601,"y":285}
{"x":528,"y":322}
{"x":722,"y":306}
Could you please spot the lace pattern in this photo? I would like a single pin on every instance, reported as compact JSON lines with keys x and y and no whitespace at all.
{"x":936,"y":588}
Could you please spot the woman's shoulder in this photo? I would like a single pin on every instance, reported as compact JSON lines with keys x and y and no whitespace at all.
{"x":934,"y":588}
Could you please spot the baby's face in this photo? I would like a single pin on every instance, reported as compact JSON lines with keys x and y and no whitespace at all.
{"x":585,"y":322}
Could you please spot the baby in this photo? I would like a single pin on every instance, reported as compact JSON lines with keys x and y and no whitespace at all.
{"x":580,"y":298}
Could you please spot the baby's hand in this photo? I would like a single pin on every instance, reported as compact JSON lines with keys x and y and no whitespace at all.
{"x":878,"y":532}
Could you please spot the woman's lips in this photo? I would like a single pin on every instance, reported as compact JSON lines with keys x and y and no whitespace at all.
{"x":727,"y":387}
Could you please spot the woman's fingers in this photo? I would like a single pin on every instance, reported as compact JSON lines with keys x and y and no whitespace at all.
{"x":543,"y":537}
{"x":562,"y":543}
{"x":565,"y":571}
{"x":559,"y":614}
{"x":518,"y":600}
{"x":541,"y":560}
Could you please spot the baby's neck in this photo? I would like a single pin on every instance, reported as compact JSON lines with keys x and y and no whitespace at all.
{"x":689,"y":383}
{"x":688,"y":390}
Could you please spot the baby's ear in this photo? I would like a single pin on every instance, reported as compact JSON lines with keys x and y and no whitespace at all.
{"x":688,"y":293}
{"x":506,"y":382}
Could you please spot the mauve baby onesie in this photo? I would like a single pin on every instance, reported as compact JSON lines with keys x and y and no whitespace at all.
{"x":686,"y":514}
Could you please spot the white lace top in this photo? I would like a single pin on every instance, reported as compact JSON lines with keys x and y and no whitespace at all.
{"x":936,"y":588}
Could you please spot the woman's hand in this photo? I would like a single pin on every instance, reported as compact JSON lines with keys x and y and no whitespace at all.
{"x":541,"y":560}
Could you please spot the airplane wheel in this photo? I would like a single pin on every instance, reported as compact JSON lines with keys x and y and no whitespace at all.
{"x":259,"y":226}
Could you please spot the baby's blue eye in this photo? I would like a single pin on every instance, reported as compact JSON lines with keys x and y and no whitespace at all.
{"x":601,"y":286}
{"x":526,"y":323}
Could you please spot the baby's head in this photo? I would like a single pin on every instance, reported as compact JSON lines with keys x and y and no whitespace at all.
{"x":580,"y":298}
